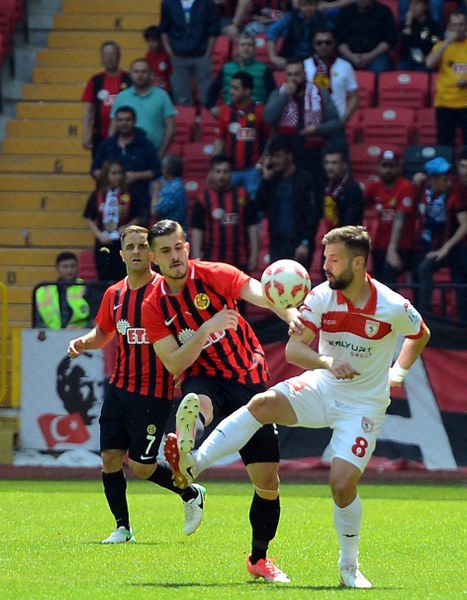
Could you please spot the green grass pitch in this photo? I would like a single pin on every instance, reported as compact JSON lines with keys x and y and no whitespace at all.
{"x":413,"y":544}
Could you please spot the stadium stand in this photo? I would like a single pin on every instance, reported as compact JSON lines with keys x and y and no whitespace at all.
{"x":408,"y":89}
{"x":391,"y":124}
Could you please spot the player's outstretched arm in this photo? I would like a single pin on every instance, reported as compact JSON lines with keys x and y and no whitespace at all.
{"x":410,"y":351}
{"x":252,"y":292}
{"x":93,"y":340}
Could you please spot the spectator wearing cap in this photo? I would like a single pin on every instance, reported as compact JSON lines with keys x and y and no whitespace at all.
{"x":393,"y":198}
{"x":443,"y":233}
{"x":450,"y":57}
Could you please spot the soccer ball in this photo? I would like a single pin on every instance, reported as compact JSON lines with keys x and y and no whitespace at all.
{"x":285,"y":283}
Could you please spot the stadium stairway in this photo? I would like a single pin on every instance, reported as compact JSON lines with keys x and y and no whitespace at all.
{"x":44,"y":181}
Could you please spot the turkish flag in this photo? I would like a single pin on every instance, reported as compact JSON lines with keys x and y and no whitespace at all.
{"x":59,"y":429}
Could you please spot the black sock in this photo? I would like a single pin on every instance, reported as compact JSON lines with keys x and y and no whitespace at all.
{"x":163,"y":477}
{"x":264,"y":519}
{"x":115,"y":492}
{"x":199,"y":426}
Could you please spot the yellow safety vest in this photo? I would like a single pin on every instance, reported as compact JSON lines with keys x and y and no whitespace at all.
{"x":48,"y":306}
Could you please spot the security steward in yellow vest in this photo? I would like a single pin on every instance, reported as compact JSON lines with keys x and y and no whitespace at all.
{"x":59,"y":305}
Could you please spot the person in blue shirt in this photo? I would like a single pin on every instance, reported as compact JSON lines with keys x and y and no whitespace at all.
{"x":169,"y":197}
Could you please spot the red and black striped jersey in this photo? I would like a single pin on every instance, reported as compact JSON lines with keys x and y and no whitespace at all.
{"x":244,"y":132}
{"x":137,"y":369}
{"x":225,"y":217}
{"x":229,"y":354}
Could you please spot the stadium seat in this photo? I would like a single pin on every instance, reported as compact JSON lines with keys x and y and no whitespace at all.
{"x":408,"y":89}
{"x":220,"y":53}
{"x":353,"y":128}
{"x":388,"y":125}
{"x":197,"y":156}
{"x":366,"y":82}
{"x":279,"y":77}
{"x":393,"y":6}
{"x":87,"y":265}
{"x":425,"y":126}
{"x":184,"y":124}
{"x":417,"y":155}
{"x":364,"y":159}
{"x":433,"y":79}
{"x":208,"y":126}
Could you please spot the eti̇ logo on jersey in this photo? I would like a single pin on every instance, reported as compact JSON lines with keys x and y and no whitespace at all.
{"x":371,"y":328}
{"x":134,"y":335}
{"x":202,"y":301}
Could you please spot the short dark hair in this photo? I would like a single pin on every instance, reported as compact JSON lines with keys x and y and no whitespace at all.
{"x":355,"y":237}
{"x":294,"y":60}
{"x":245,"y":78}
{"x":323,"y":29}
{"x":66,"y":255}
{"x":132,"y":229}
{"x":279,"y":143}
{"x":127,"y":109}
{"x":164,"y":227}
{"x":112,"y":43}
{"x":174,"y":164}
{"x":220,"y":158}
{"x":153,"y":32}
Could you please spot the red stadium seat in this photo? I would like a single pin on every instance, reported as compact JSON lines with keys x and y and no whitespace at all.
{"x":388,"y":125}
{"x":366,"y":82}
{"x":425,"y":126}
{"x":184,"y":124}
{"x":87,"y":265}
{"x":364,"y":159}
{"x":197,"y":156}
{"x":279,"y":77}
{"x":433,"y":79}
{"x":408,"y":89}
{"x":209,"y":126}
{"x":393,"y":6}
{"x":353,"y":128}
{"x":221,"y":52}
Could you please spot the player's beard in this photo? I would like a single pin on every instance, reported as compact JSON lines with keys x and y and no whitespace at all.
{"x":342,"y":281}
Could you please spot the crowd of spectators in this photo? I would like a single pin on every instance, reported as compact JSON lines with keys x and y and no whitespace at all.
{"x":282,"y":160}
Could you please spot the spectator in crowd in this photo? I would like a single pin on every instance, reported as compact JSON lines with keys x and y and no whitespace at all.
{"x":343,"y":196}
{"x":243,"y":134}
{"x":158,"y":59}
{"x":138,"y":398}
{"x":296,"y":27}
{"x":154,"y":110}
{"x":189,"y":30}
{"x":327,"y":70}
{"x":263,"y":14}
{"x":100,"y":94}
{"x":436,"y":9}
{"x":263,"y":79}
{"x":366,"y":32}
{"x":332,"y":8}
{"x":63,"y":304}
{"x":308,"y":115}
{"x":109,"y":210}
{"x":444,"y":233}
{"x":419,"y":33}
{"x":450,"y":58}
{"x":393,"y":199}
{"x":130,"y":146}
{"x":224,"y":224}
{"x":169,"y":197}
{"x":286,"y":197}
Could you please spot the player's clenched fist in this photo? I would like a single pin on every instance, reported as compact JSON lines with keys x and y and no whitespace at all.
{"x":75,"y":347}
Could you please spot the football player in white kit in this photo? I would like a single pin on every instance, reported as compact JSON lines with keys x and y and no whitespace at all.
{"x":346,"y":383}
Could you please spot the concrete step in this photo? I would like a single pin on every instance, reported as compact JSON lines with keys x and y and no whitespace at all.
{"x":44,"y":201}
{"x":22,"y":294}
{"x":123,"y":7}
{"x":57,"y":148}
{"x":83,"y":57}
{"x":94,"y":39}
{"x":53,"y":92}
{"x":49,"y":183}
{"x":24,"y":278}
{"x":61,"y":74}
{"x":17,"y":257}
{"x":43,"y":164}
{"x":44,"y":220}
{"x":38,"y":128}
{"x":46,"y":238}
{"x":110,"y":21}
{"x":50,"y":110}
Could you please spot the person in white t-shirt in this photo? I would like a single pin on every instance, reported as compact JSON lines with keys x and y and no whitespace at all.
{"x":345,"y":386}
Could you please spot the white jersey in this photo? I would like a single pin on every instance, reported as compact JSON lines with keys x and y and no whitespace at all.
{"x":365,"y":338}
{"x":343,"y":81}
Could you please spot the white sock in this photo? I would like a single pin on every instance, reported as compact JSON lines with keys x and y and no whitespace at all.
{"x":347,"y":522}
{"x":229,"y":436}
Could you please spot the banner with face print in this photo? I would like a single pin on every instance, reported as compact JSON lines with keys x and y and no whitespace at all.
{"x":61,"y":398}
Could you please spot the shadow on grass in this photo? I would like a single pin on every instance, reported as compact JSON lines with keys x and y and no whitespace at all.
{"x":316,"y":588}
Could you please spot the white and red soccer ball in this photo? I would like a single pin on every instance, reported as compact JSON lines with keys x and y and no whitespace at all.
{"x":285,"y":283}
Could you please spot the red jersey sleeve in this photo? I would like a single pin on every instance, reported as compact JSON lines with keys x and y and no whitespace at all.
{"x":88,"y":94}
{"x":227,"y":279}
{"x":153,"y":321}
{"x":104,"y":317}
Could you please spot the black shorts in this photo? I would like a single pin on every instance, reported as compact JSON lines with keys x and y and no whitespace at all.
{"x":130,"y":421}
{"x":227,"y":397}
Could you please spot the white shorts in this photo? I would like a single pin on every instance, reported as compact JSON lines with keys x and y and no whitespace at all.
{"x":355,"y":427}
